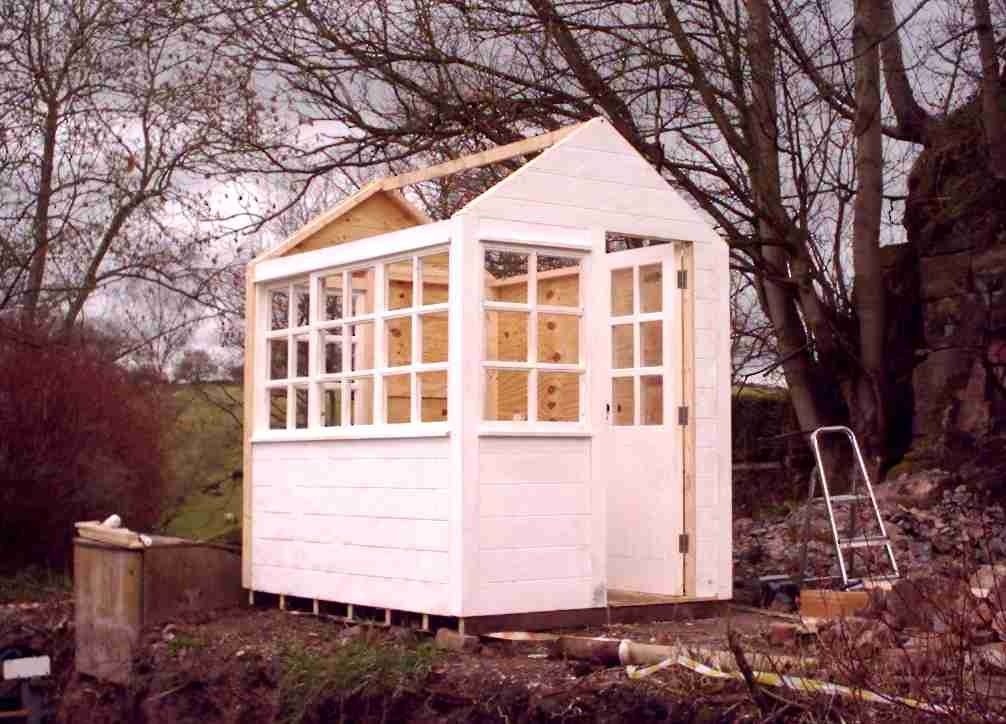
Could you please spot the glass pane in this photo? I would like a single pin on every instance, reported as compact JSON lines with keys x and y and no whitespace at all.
{"x":651,"y":393}
{"x":361,"y":401}
{"x":399,"y":276}
{"x":622,"y":399}
{"x":506,"y":276}
{"x":279,"y":354}
{"x":302,"y":345}
{"x":279,"y":309}
{"x":277,"y":409}
{"x":331,"y":294}
{"x":397,"y":399}
{"x":506,"y":336}
{"x":558,"y":338}
{"x":434,"y":331}
{"x":333,"y":351}
{"x":651,"y":344}
{"x":614,"y":241}
{"x":433,"y":396}
{"x":331,"y":404}
{"x":302,"y":312}
{"x":506,"y":395}
{"x":398,"y":341}
{"x":434,"y":270}
{"x":558,"y":397}
{"x":362,"y":289}
{"x":300,"y":407}
{"x":651,"y":288}
{"x":621,"y":292}
{"x":558,"y":281}
{"x":621,"y":346}
{"x":361,"y":336}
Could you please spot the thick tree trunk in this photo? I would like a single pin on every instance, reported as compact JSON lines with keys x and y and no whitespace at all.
{"x":40,"y":226}
{"x":869,"y":401}
{"x":993,"y":115}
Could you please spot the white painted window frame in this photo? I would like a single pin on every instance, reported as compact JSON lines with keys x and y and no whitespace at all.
{"x":534,"y":427}
{"x":317,"y":325}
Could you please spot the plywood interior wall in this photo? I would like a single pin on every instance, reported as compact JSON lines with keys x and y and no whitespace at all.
{"x":379,"y":214}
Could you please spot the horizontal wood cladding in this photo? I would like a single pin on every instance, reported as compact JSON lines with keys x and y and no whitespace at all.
{"x":362,"y":521}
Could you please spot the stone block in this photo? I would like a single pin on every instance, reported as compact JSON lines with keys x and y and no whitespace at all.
{"x":947,"y":275}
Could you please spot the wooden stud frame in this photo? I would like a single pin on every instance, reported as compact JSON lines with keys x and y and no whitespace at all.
{"x":685,"y":262}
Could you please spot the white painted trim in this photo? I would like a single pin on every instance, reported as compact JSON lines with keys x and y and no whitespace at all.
{"x":566,"y":238}
{"x":540,"y":429}
{"x":371,"y":249}
{"x":356,"y":432}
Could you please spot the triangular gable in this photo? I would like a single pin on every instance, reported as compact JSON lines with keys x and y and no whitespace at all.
{"x":370,"y":211}
{"x":593,"y":175}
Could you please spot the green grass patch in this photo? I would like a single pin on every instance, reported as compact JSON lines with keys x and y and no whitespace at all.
{"x":184,"y":642}
{"x":34,"y":585}
{"x":205,"y":463}
{"x":360,"y":666}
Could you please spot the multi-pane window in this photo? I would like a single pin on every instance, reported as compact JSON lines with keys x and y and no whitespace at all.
{"x":360,"y":346}
{"x":637,"y":345}
{"x":532,"y":320}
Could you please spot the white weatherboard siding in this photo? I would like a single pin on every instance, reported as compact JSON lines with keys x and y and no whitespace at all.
{"x":713,"y":504}
{"x":535,"y":548}
{"x":358,"y":521}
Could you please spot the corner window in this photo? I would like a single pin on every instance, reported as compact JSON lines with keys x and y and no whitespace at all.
{"x":363,"y":345}
{"x":533,"y":365}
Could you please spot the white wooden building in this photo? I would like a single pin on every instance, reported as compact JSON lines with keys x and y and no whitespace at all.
{"x":524,"y":408}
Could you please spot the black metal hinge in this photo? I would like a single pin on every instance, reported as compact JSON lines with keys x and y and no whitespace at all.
{"x":683,"y":543}
{"x":682,"y":279}
{"x":682,"y":415}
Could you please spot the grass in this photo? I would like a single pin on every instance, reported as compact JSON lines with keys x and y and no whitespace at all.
{"x":360,"y":666}
{"x":184,"y":642}
{"x":205,"y":464}
{"x":34,"y":584}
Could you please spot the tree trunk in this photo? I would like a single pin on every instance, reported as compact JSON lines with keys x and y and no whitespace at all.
{"x":993,"y":116}
{"x":40,"y":226}
{"x":868,"y":403}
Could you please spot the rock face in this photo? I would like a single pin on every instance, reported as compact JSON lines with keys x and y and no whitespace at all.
{"x":956,"y":224}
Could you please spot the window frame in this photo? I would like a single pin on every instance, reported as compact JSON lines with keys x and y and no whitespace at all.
{"x":581,"y":368}
{"x":317,"y":379}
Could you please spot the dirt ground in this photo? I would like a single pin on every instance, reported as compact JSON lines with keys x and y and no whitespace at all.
{"x":265,"y":665}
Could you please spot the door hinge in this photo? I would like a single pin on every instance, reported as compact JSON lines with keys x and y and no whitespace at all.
{"x":682,"y":279}
{"x":682,"y":415}
{"x":683,"y":543}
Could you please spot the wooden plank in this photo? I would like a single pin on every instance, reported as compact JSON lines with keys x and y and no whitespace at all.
{"x":819,"y":603}
{"x":483,"y":158}
{"x":122,"y":537}
{"x":686,"y":264}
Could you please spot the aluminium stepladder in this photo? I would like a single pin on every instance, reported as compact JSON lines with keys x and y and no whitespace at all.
{"x":850,"y":540}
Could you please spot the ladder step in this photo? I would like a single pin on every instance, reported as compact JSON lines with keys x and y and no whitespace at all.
{"x":863,"y":542}
{"x":843,"y":498}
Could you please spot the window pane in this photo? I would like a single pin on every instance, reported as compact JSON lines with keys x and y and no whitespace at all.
{"x":506,"y":395}
{"x":277,"y":409}
{"x":398,"y":399}
{"x":558,"y":338}
{"x":621,"y":346}
{"x":651,"y":344}
{"x":362,"y":289}
{"x":506,"y":336}
{"x":651,"y":393}
{"x":331,"y":404}
{"x":279,"y":309}
{"x":615,"y":241}
{"x":558,"y":397}
{"x":434,"y":270}
{"x":333,"y":351}
{"x":302,"y":345}
{"x":506,"y":276}
{"x":651,"y":288}
{"x":331,"y":294}
{"x":622,"y":399}
{"x":621,"y":292}
{"x":399,"y":276}
{"x":361,"y":336}
{"x":398,"y":341}
{"x":434,"y":331}
{"x":300,"y":407}
{"x":433,"y":396}
{"x":558,"y":281}
{"x":302,"y":312}
{"x":361,"y":401}
{"x":278,"y":358}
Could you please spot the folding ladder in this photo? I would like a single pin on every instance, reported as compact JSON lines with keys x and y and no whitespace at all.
{"x":850,"y":540}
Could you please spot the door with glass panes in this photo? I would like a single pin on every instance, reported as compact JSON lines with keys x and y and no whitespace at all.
{"x":641,"y":446}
